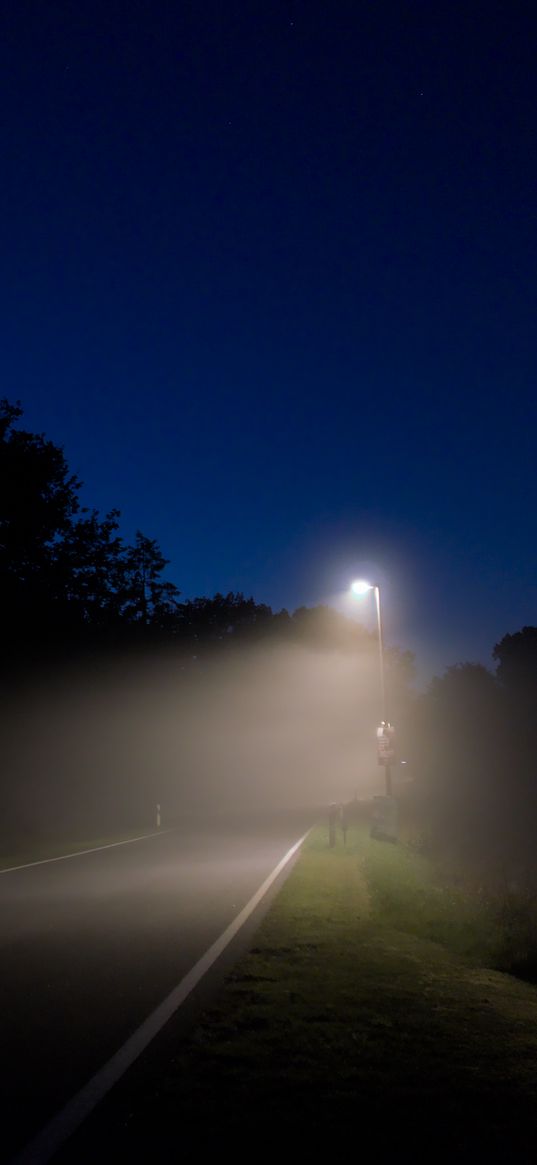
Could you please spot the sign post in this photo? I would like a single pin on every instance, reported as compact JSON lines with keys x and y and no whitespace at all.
{"x":386,"y":751}
{"x":384,"y":825}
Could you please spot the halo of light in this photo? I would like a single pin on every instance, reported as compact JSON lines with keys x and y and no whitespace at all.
{"x":360,"y":586}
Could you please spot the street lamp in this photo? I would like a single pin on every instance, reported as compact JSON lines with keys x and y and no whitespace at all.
{"x":360,"y":587}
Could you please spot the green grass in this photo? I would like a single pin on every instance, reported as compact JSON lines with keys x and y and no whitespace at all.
{"x":364,"y":1012}
{"x":406,"y":893}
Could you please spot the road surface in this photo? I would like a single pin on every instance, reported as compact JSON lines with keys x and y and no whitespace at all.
{"x":91,"y":945}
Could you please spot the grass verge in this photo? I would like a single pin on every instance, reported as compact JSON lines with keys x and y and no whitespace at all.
{"x":365,"y":1014}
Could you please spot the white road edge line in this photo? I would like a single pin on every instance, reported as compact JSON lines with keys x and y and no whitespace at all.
{"x":54,"y":1134}
{"x":78,"y":853}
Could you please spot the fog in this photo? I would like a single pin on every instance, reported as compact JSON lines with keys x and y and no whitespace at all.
{"x":280,"y":727}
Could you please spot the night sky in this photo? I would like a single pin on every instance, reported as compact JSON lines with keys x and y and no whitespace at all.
{"x":269,"y":276}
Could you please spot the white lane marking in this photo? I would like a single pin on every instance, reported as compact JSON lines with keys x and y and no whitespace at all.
{"x":78,"y":853}
{"x":47,"y":1142}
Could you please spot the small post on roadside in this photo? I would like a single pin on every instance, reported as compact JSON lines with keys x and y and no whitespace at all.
{"x":158,"y":816}
{"x":332,"y":820}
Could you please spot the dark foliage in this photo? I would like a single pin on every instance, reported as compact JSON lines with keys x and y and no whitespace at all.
{"x":67,"y":579}
{"x":517,"y":665}
{"x":474,"y":756}
{"x":68,"y":582}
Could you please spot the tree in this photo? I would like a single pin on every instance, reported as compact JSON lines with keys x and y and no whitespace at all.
{"x":464,"y":763}
{"x":38,"y":502}
{"x":90,"y":571}
{"x":223,"y":621}
{"x":65,"y":572}
{"x":517,"y":664}
{"x":144,"y":597}
{"x":322,"y":626}
{"x":516,"y":656}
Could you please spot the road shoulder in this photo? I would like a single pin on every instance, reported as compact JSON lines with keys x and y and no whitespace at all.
{"x":336,"y":1017}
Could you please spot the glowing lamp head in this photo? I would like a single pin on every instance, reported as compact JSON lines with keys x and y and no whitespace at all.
{"x":361,"y":587}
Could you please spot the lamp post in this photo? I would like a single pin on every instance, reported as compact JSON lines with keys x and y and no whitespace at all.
{"x":361,"y":587}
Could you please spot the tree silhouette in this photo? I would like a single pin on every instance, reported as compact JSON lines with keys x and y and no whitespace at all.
{"x":517,"y":664}
{"x":322,"y":626}
{"x":145,"y":598}
{"x":90,"y":568}
{"x":222,"y":621}
{"x":65,"y":573}
{"x":38,"y":502}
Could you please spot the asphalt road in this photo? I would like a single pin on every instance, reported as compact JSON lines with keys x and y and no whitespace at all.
{"x":89,"y":946}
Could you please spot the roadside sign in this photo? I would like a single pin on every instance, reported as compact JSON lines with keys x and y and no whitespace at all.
{"x":385,"y":744}
{"x":384,"y":824}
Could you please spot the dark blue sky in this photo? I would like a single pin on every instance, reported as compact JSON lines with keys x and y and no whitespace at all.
{"x":269,"y":275}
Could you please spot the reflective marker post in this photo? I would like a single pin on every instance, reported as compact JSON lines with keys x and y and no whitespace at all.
{"x":158,"y":816}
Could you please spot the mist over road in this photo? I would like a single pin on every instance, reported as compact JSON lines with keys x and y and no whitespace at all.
{"x":89,"y":946}
{"x":91,"y":750}
{"x":232,"y":747}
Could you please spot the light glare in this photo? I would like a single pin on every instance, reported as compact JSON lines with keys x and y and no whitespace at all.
{"x":360,"y":587}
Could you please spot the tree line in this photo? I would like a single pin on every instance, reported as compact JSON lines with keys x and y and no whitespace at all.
{"x":473,"y":738}
{"x":66,"y":574}
{"x":69,"y":581}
